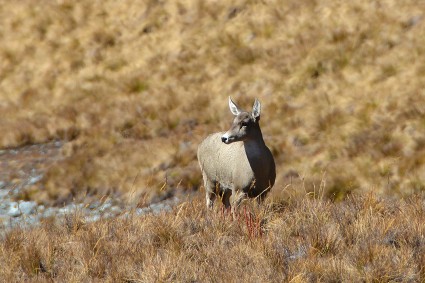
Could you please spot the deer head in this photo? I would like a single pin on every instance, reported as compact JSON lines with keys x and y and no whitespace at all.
{"x":245,"y":126}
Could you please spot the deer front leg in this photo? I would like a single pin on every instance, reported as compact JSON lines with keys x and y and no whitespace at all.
{"x":226,"y":198}
{"x":238,"y":197}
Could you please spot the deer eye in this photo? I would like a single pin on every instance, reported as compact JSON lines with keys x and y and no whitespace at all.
{"x":244,"y":124}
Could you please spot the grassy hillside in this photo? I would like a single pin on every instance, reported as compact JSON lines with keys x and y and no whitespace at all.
{"x":134,"y":86}
{"x":361,"y":239}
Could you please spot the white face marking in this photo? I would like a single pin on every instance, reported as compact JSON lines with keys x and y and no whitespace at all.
{"x":226,"y":138}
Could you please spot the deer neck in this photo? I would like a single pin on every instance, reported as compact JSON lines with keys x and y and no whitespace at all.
{"x":256,"y":141}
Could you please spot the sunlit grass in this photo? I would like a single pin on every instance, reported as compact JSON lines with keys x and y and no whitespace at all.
{"x":298,"y":238}
{"x":135,"y":86}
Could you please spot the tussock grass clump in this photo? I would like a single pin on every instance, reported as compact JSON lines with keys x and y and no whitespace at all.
{"x":361,"y":239}
{"x":134,"y":87}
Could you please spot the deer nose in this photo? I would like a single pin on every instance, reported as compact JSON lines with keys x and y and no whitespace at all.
{"x":224,"y":139}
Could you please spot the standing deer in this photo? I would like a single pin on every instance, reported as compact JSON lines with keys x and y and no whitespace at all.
{"x":237,"y":163}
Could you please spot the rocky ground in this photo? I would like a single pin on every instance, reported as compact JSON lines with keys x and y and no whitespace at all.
{"x":25,"y":166}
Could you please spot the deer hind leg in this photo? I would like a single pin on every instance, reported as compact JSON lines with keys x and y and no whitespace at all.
{"x":210,"y":191}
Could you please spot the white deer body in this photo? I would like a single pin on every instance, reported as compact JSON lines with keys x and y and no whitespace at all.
{"x":237,"y":162}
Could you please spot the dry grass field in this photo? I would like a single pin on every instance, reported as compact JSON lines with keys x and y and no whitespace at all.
{"x":360,"y":239}
{"x":132,"y":87}
{"x":135,"y":85}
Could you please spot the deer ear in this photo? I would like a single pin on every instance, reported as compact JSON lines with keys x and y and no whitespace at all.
{"x":233,"y":107}
{"x":256,"y":110}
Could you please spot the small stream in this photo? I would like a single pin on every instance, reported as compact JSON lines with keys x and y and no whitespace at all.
{"x":25,"y":166}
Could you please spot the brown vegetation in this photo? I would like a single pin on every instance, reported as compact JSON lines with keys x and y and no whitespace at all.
{"x":361,"y":239}
{"x":135,"y":85}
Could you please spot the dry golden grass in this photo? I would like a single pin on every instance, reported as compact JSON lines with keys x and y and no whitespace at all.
{"x":135,"y":85}
{"x":361,"y":239}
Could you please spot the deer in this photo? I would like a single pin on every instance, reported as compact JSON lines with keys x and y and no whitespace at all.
{"x":237,"y":163}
